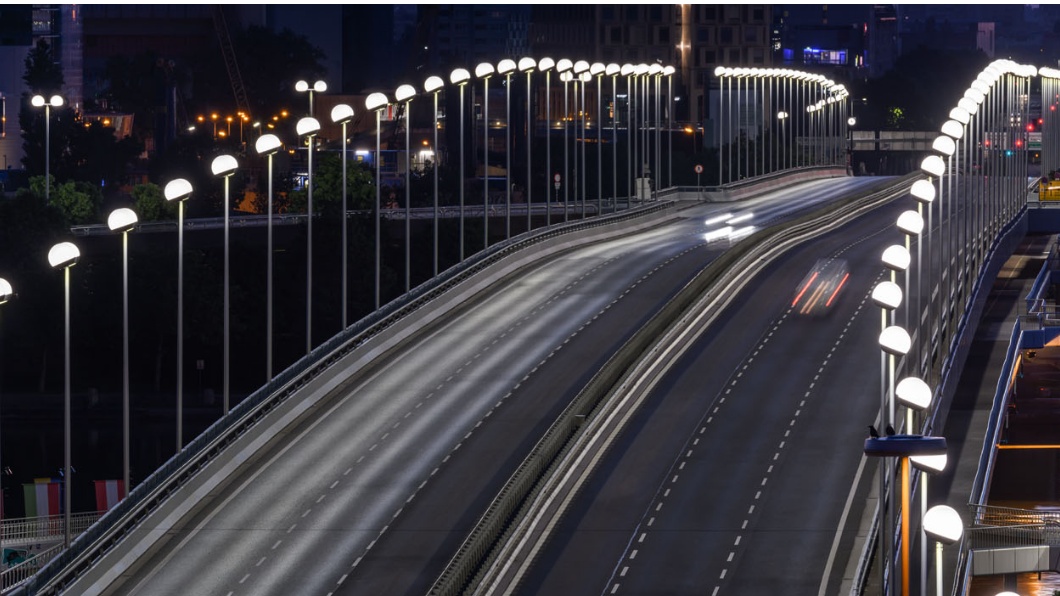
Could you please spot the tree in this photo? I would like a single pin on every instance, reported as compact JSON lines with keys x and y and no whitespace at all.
{"x":77,"y":203}
{"x":44,"y":77}
{"x":150,"y":205}
{"x":327,"y":189}
{"x":919,"y":91}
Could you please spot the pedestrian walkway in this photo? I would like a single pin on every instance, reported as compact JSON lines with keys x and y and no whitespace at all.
{"x":965,"y":423}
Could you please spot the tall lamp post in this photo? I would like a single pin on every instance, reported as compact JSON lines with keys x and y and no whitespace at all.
{"x":484,"y":71}
{"x":267,"y":145}
{"x":433,"y":85}
{"x":375,"y":103}
{"x":597,"y":69}
{"x":528,"y":65}
{"x":563,"y":67}
{"x":342,"y":114}
{"x":223,"y":166}
{"x":944,"y":525}
{"x":308,"y":128}
{"x":63,"y":256}
{"x":546,"y":65}
{"x":904,"y":447}
{"x":581,"y":75}
{"x":55,"y":102}
{"x":628,"y":71}
{"x":668,"y":72}
{"x":123,"y":220}
{"x":6,"y":292}
{"x":404,"y":94}
{"x":928,"y":465}
{"x":305,"y":87}
{"x":179,"y":190}
{"x":612,"y":71}
{"x":506,"y":67}
{"x":460,"y":77}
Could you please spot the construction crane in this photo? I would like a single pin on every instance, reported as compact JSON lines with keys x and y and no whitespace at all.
{"x":221,"y":28}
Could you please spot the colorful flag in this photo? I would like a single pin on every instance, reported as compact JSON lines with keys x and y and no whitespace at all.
{"x":108,"y":493}
{"x":43,"y":497}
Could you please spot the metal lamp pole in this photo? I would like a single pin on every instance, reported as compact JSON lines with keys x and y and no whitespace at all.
{"x":63,"y":256}
{"x":505,"y":67}
{"x":308,"y":127}
{"x":460,"y":77}
{"x":546,"y":65}
{"x":224,"y":166}
{"x":484,"y":71}
{"x":123,"y":221}
{"x":268,"y":145}
{"x":527,"y":65}
{"x":55,"y":101}
{"x":375,"y":103}
{"x":405,"y":93}
{"x":340,"y":114}
{"x":434,"y":85}
{"x":179,"y":190}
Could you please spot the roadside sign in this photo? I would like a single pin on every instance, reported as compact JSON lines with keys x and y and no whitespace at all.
{"x":557,"y":178}
{"x":699,"y":169}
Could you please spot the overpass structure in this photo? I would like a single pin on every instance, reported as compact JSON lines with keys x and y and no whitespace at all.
{"x":982,"y":199}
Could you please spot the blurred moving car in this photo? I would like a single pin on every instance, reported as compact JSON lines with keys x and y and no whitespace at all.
{"x":819,"y":290}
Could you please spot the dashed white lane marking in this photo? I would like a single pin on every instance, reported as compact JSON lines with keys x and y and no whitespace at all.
{"x":776,"y":455}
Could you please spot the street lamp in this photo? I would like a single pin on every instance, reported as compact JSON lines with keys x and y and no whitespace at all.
{"x":528,"y":65}
{"x":944,"y":524}
{"x":581,"y":75}
{"x":484,"y":71}
{"x":342,"y":114}
{"x":506,"y":67}
{"x":405,"y":93}
{"x":6,"y":292}
{"x":546,"y":65}
{"x":613,"y":71}
{"x":304,"y":87}
{"x":179,"y":190}
{"x":563,"y":67}
{"x":668,"y":72}
{"x":63,"y":256}
{"x":910,"y":224}
{"x":904,"y":447}
{"x":123,"y":220}
{"x":434,"y":85}
{"x":223,"y":166}
{"x":460,"y":77}
{"x":268,"y":145}
{"x":308,"y":128}
{"x":597,"y":69}
{"x":928,"y":465}
{"x":924,"y":193}
{"x":655,"y":71}
{"x":628,"y":71}
{"x":375,"y":103}
{"x":55,"y":102}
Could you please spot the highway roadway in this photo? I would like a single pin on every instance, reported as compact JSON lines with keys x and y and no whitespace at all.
{"x":374,"y":493}
{"x":744,"y":472}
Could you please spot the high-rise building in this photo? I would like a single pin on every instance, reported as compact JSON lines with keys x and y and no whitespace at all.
{"x":693,"y":38}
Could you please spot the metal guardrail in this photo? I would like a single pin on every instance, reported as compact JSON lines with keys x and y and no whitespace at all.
{"x":147,"y":496}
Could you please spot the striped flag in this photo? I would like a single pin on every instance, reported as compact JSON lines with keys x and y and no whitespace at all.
{"x":108,"y":493}
{"x":43,"y":497}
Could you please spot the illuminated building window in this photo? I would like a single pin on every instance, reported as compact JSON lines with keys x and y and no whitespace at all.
{"x":818,"y":56}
